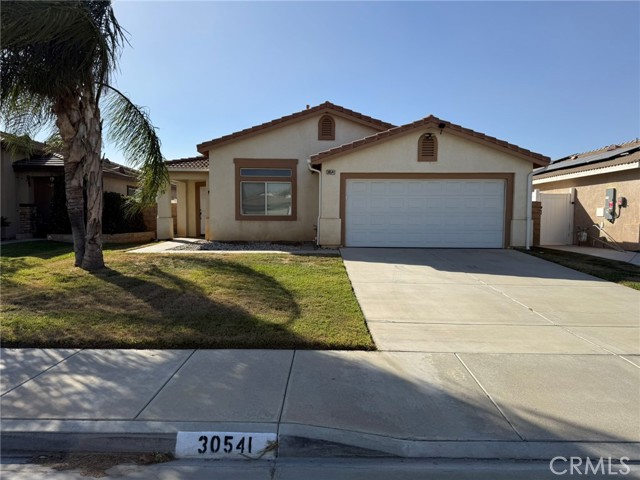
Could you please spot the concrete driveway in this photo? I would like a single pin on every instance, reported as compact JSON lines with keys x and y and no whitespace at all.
{"x":489,"y":301}
{"x":555,"y":351}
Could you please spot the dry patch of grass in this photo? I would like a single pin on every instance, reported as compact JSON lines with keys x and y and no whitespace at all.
{"x":96,"y":465}
{"x":622,"y":273}
{"x":177,"y":301}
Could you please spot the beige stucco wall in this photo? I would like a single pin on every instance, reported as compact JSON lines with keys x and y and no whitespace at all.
{"x":15,"y":189}
{"x":590,"y":195}
{"x":9,"y":196}
{"x":117,"y":184}
{"x":399,"y":155}
{"x":298,"y":140}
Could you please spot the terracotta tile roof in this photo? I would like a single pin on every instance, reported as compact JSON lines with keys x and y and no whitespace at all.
{"x":432,"y":121}
{"x":56,"y":161}
{"x":190,"y":163}
{"x":115,"y":168}
{"x":323,"y":107}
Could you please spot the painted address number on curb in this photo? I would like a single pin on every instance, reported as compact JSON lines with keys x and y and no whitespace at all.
{"x":226,"y":445}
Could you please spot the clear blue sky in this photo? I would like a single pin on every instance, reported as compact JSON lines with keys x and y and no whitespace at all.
{"x":555,"y":77}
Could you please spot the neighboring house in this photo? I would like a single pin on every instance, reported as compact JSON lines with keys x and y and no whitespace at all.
{"x":28,"y":185}
{"x":575,"y":193}
{"x":348,"y":179}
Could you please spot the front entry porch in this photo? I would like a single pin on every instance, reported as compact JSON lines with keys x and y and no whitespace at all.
{"x":190,"y":203}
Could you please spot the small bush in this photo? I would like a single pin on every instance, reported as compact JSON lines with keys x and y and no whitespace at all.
{"x":115,"y":217}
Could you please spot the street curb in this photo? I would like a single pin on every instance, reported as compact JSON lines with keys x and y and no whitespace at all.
{"x":295,"y":441}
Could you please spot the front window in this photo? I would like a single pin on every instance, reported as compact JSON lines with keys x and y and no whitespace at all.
{"x":266,"y":189}
{"x":266,"y":198}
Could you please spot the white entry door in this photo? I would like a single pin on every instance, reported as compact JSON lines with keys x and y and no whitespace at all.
{"x":203,"y":209}
{"x":557,"y":218}
{"x":425,"y":213}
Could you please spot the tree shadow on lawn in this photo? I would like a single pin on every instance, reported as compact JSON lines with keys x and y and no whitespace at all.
{"x":158,"y":307}
{"x":254,"y":311}
{"x":43,"y":250}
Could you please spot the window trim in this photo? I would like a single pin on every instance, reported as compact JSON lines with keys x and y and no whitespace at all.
{"x":332,"y":136}
{"x":267,"y":163}
{"x":424,"y":158}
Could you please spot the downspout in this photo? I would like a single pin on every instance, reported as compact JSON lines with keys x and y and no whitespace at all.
{"x":319,"y":172}
{"x":529,"y":215}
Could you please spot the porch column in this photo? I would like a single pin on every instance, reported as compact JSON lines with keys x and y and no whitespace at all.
{"x":181,"y":191}
{"x":165,"y":220}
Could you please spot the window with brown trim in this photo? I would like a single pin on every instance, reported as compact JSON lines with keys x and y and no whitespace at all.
{"x":326,"y":128}
{"x":428,"y":148}
{"x":266,"y":189}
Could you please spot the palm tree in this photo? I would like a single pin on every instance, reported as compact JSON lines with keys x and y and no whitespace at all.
{"x":57,"y":60}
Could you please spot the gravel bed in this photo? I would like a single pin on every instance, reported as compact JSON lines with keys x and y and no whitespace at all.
{"x":249,"y":246}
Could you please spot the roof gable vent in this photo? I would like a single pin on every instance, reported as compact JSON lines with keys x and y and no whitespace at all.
{"x":326,"y":128}
{"x":428,"y":148}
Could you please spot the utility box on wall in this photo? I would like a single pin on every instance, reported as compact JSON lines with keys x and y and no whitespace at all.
{"x":610,"y":205}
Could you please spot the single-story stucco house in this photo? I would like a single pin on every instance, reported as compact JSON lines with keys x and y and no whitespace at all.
{"x":28,"y":183}
{"x":592,"y":198}
{"x":339,"y":177}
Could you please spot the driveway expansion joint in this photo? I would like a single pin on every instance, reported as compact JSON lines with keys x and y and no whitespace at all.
{"x":491,"y":398}
{"x":284,"y":396}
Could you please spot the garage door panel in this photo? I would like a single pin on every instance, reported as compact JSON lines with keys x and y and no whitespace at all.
{"x":425,"y":213}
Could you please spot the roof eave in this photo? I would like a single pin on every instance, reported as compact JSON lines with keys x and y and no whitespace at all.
{"x":430,"y":122}
{"x":188,"y":170}
{"x":205,"y":147}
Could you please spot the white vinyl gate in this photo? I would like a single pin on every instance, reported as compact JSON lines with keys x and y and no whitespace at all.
{"x":425,"y":213}
{"x":557,"y":219}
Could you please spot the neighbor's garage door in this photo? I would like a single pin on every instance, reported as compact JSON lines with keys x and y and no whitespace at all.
{"x":425,"y":213}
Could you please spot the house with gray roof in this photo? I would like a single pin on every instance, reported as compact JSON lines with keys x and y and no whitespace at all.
{"x":592,"y":198}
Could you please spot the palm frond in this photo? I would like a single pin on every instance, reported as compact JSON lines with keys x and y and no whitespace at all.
{"x":25,"y":115}
{"x":130,"y":129}
{"x":53,"y":48}
{"x":54,"y":143}
{"x":18,"y":145}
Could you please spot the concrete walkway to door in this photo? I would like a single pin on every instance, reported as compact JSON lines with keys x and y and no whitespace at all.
{"x":555,"y":350}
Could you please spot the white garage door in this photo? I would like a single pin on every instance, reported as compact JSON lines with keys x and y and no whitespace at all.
{"x":425,"y":213}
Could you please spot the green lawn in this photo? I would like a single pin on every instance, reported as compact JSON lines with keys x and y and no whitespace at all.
{"x":617,"y":272}
{"x":177,"y":301}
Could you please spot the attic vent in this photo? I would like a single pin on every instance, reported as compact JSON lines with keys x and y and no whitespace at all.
{"x":428,"y":148}
{"x":326,"y":128}
{"x":612,"y":147}
{"x":573,"y":157}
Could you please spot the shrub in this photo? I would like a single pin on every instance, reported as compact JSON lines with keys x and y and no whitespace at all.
{"x":115,"y":217}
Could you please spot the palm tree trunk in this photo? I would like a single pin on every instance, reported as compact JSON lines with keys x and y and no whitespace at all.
{"x":93,"y":258}
{"x":69,"y":124}
{"x":78,"y":119}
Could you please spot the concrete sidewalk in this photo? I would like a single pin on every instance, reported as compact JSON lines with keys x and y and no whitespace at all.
{"x":407,"y":404}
